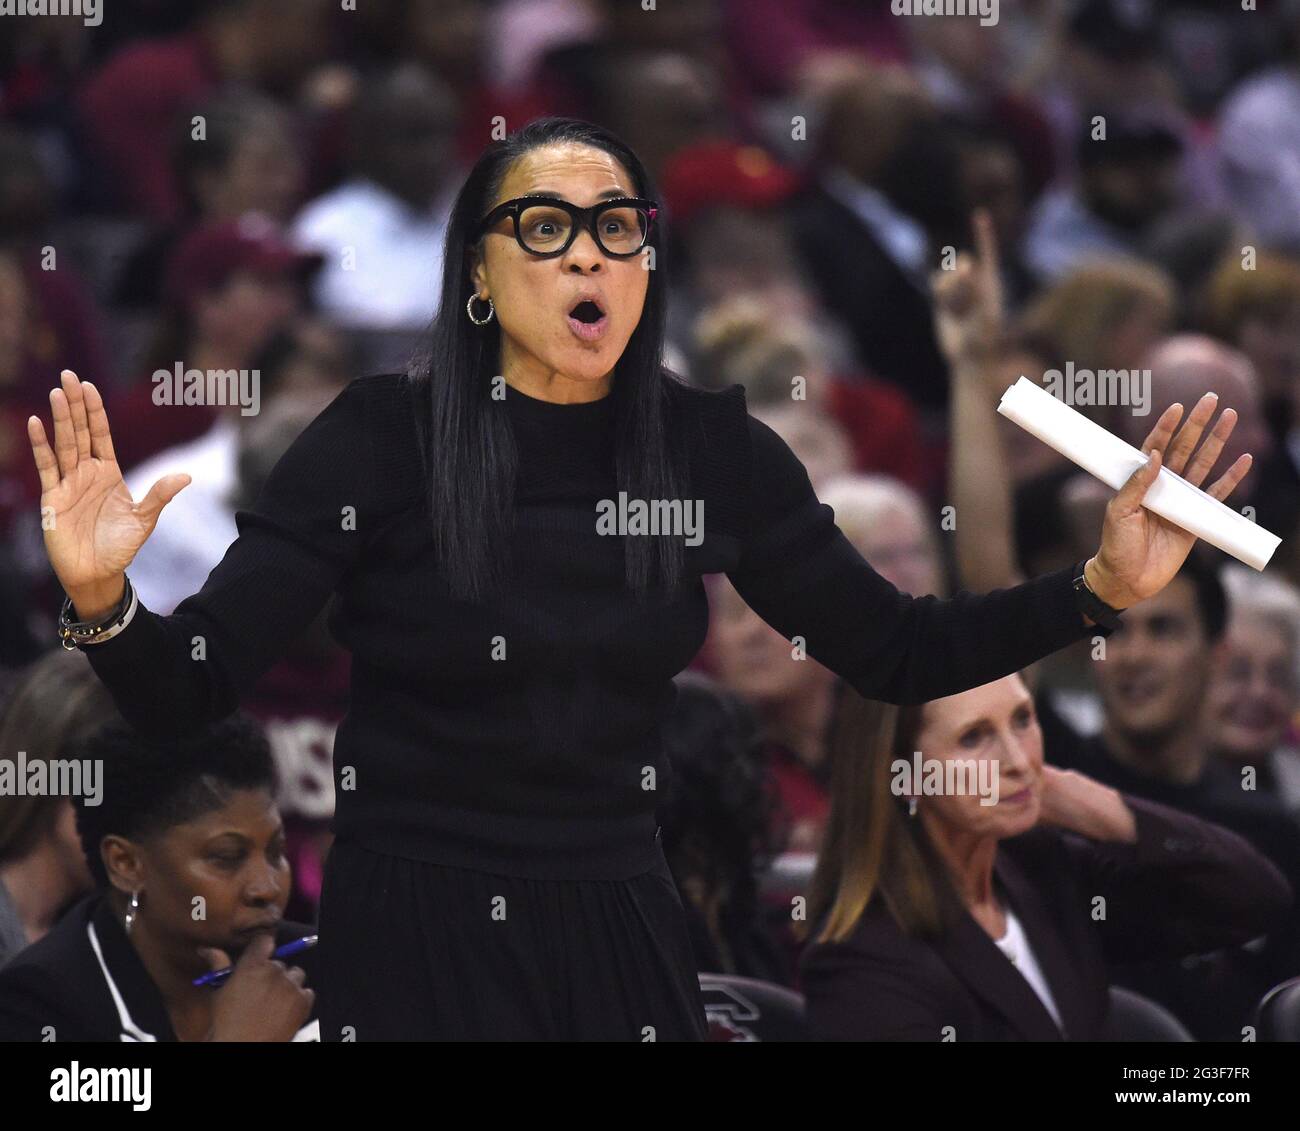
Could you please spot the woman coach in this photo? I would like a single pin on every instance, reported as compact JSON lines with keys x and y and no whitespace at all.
{"x":496,"y":871}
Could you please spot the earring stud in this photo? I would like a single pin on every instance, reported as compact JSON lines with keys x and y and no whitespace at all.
{"x":131,"y":911}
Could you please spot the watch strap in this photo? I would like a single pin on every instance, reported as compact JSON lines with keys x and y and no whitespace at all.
{"x":1090,"y":604}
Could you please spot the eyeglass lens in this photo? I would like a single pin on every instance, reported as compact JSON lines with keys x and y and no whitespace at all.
{"x":620,"y":231}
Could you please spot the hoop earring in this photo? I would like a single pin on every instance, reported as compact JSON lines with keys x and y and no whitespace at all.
{"x":469,"y":309}
{"x":132,"y":910}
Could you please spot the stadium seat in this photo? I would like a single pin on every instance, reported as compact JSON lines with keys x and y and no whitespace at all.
{"x":1137,"y":1018}
{"x":1277,"y":1018}
{"x":745,"y":1009}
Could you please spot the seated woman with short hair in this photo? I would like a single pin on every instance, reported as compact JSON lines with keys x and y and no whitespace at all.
{"x":187,"y":850}
{"x":936,"y":915}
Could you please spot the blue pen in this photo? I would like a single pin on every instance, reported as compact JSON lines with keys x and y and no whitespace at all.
{"x":217,"y":977}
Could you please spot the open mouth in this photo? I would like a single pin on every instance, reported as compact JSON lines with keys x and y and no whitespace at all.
{"x":588,"y":320}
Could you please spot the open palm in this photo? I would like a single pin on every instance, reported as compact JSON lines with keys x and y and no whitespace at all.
{"x":93,"y":529}
{"x":1140,"y":551}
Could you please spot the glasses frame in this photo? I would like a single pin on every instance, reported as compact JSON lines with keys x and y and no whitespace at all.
{"x":583,"y":218}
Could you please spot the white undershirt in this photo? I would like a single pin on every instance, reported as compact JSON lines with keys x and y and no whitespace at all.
{"x":1015,"y":945}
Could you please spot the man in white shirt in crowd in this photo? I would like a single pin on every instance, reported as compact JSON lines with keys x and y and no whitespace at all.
{"x":382,"y":230}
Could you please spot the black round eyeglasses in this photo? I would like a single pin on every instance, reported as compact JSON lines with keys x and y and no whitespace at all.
{"x":546,"y":226}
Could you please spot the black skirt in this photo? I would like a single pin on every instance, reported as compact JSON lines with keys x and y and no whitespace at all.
{"x":416,"y":951}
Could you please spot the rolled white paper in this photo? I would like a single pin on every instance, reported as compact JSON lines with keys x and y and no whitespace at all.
{"x":1112,"y":461}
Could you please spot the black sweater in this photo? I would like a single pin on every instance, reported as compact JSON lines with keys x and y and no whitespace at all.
{"x":543,"y":762}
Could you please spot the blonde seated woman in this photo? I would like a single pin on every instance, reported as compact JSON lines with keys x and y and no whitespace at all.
{"x":935,"y":917}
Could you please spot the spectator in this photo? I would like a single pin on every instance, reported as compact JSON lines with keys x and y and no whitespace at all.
{"x":1182,"y":368}
{"x":870,"y":225}
{"x":134,"y":103}
{"x":1127,"y":182}
{"x":776,"y":40}
{"x":717,"y":831}
{"x":231,"y":287}
{"x":782,"y":358}
{"x":816,"y":438}
{"x":993,"y":179}
{"x":1157,"y":738}
{"x":1252,"y":302}
{"x":662,"y":103}
{"x":1255,"y":306}
{"x":194,"y":822}
{"x":793,"y":697}
{"x":1157,"y":741}
{"x":451,"y":39}
{"x":730,"y":240}
{"x":63,"y":321}
{"x":381,"y":232}
{"x":578,"y":77}
{"x":56,"y":705}
{"x":887,"y":523}
{"x":246,"y":160}
{"x":304,"y":361}
{"x":1255,"y":696}
{"x":1104,"y":315}
{"x":935,"y":915}
{"x":1109,"y":56}
{"x":968,"y":76}
{"x":1259,"y":145}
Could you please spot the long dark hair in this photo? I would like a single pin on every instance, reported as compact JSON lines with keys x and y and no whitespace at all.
{"x":469,"y":455}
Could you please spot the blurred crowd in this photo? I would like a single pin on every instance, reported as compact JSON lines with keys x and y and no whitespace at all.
{"x":263,"y":184}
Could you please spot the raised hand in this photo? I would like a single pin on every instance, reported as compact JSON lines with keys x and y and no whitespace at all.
{"x":1140,"y":551}
{"x":968,"y":316}
{"x":92,"y":527}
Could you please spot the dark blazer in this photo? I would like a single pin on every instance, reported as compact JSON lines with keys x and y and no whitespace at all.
{"x":1185,"y":887}
{"x":887,"y":312}
{"x":84,"y":981}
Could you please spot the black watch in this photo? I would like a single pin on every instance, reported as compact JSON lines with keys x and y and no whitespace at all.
{"x":1090,"y":604}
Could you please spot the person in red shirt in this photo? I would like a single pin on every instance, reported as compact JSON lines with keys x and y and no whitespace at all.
{"x":793,"y":696}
